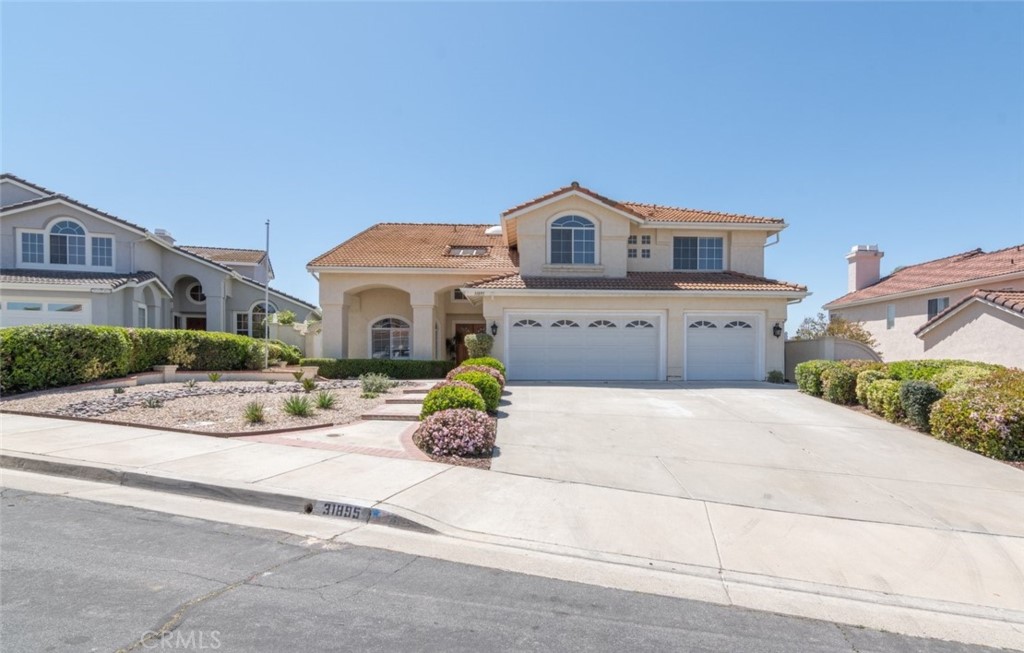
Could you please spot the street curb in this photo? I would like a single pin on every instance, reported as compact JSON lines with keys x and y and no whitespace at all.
{"x":335,"y":508}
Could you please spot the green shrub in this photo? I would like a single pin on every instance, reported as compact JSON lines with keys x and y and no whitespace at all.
{"x":298,"y":405}
{"x":324,"y":400}
{"x":350,"y":368}
{"x":308,"y":385}
{"x":285,"y":318}
{"x":55,"y":355}
{"x":884,"y":399}
{"x":808,"y":375}
{"x":865,"y":379}
{"x":479,"y":345}
{"x":298,"y":375}
{"x":775,"y":376}
{"x":859,"y":365}
{"x":956,"y":378}
{"x":214,"y":376}
{"x":486,"y":384}
{"x":457,"y":432}
{"x":119,"y":389}
{"x":917,"y":398}
{"x":451,"y":397}
{"x":153,"y":402}
{"x":254,"y":413}
{"x":839,"y":384}
{"x":498,"y":376}
{"x":487,"y":361}
{"x":986,"y":417}
{"x":282,"y":351}
{"x":923,"y":370}
{"x":374,"y":383}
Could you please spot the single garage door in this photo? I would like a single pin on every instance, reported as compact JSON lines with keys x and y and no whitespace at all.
{"x":20,"y":312}
{"x":584,"y":346}
{"x":721,"y":348}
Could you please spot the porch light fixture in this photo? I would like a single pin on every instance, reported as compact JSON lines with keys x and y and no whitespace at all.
{"x":494,"y":328}
{"x":777,"y":330}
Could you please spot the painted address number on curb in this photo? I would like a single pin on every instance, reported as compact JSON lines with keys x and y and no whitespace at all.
{"x":343,"y":510}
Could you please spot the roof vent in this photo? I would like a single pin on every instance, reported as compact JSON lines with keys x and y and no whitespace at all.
{"x":493,"y":231}
{"x":164,"y":235}
{"x":575,"y":184}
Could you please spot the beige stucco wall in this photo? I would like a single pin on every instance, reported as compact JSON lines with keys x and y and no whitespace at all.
{"x":674,"y":311}
{"x":827,"y":348}
{"x":900,"y":343}
{"x":979,"y":332}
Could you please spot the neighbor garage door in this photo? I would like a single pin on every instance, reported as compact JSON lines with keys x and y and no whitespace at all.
{"x":20,"y":312}
{"x":584,"y":346}
{"x":720,"y":347}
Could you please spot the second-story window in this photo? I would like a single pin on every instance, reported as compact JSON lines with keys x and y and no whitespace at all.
{"x":936,"y":306}
{"x":697,"y":253}
{"x":67,"y":244}
{"x":572,"y":241}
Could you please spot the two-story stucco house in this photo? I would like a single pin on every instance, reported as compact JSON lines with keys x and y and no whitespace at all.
{"x":62,"y":261}
{"x":572,"y":284}
{"x":965,"y":306}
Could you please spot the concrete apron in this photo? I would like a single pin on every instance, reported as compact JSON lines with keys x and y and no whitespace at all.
{"x":917,"y":581}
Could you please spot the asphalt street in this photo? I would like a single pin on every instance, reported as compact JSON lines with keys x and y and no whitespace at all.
{"x":78,"y":575}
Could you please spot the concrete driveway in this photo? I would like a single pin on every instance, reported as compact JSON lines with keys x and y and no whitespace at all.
{"x":756,"y":445}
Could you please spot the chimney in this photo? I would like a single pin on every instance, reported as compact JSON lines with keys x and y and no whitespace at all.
{"x":164,"y":235}
{"x":865,"y":263}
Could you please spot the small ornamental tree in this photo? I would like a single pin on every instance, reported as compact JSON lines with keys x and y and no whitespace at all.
{"x":821,"y":326}
{"x":479,"y":344}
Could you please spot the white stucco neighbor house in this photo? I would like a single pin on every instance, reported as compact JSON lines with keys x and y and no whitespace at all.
{"x":62,"y":261}
{"x":966,"y":306}
{"x":573,"y":285}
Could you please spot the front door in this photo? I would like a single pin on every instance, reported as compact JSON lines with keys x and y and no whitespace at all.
{"x":195,"y":323}
{"x":461,"y":331}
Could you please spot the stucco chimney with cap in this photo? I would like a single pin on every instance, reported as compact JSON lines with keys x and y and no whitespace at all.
{"x":164,"y":235}
{"x":865,"y":263}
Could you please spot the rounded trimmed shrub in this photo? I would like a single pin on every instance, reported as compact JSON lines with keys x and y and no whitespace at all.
{"x":884,"y":399}
{"x":808,"y":375}
{"x":479,"y":344}
{"x":488,"y":387}
{"x":456,"y":384}
{"x":498,"y":376}
{"x":55,"y":355}
{"x":959,"y":377}
{"x":839,"y":385}
{"x":917,"y":398}
{"x":451,"y":397}
{"x":864,"y":379}
{"x":987,"y":417}
{"x":488,"y":361}
{"x":456,"y":432}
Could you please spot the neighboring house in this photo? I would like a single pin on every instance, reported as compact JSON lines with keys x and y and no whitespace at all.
{"x":969,"y":305}
{"x":62,"y":261}
{"x":573,"y":285}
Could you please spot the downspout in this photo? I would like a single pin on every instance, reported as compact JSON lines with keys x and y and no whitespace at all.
{"x":778,"y":237}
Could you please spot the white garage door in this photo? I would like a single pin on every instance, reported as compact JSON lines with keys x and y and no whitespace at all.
{"x":584,"y":346}
{"x":721,"y":348}
{"x":20,"y":312}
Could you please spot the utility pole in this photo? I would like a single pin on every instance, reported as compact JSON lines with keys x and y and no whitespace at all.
{"x":266,"y":302}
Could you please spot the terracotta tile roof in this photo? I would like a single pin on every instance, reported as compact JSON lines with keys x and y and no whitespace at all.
{"x":89,"y":279}
{"x":975,"y":265}
{"x":651,"y":212}
{"x":404,"y":245}
{"x":226,"y":254}
{"x":657,"y":281}
{"x":1011,"y":299}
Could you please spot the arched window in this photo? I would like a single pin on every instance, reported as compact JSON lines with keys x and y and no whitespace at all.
{"x":67,"y":244}
{"x":639,"y":324}
{"x":572,"y":241}
{"x":389,"y":338}
{"x":703,"y":324}
{"x":737,"y":324}
{"x":196,"y":294}
{"x":258,"y":317}
{"x":527,"y":323}
{"x":602,"y":324}
{"x":564,"y":323}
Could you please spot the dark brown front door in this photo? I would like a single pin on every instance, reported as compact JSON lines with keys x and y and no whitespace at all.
{"x":195,"y":323}
{"x":461,"y":331}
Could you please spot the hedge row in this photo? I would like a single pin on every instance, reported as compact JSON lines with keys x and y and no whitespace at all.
{"x":56,"y":355}
{"x":977,"y":406}
{"x":350,"y":368}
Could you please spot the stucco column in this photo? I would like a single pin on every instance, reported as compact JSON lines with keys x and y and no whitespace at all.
{"x":215,"y":307}
{"x":334,"y":339}
{"x":423,"y":331}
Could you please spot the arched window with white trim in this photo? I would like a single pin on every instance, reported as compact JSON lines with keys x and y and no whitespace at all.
{"x":67,"y":243}
{"x":573,"y":241}
{"x":258,"y":318}
{"x":391,"y":337}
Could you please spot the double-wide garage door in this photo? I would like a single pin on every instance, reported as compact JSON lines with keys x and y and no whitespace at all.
{"x":582,"y":346}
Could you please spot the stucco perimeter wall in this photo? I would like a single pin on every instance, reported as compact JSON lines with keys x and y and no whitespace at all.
{"x":767,"y":311}
{"x":828,"y":348}
{"x":979,"y":332}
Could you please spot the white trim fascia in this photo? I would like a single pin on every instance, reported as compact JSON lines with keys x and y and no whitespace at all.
{"x":482,"y":273}
{"x":155,"y":280}
{"x":25,"y":186}
{"x":980,"y":283}
{"x":475,"y":292}
{"x":715,"y":226}
{"x":571,"y":192}
{"x":961,"y":307}
{"x":56,"y":287}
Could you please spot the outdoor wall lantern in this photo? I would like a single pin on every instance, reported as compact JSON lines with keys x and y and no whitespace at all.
{"x":777,"y":330}
{"x":494,"y":328}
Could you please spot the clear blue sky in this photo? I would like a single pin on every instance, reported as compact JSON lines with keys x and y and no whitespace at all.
{"x":896,"y":124}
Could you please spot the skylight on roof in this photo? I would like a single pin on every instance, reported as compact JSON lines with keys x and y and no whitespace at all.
{"x":455,"y":250}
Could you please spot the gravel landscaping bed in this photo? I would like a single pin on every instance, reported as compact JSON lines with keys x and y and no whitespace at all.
{"x":207,"y":407}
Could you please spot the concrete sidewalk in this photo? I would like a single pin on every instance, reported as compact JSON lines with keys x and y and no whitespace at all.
{"x":913,"y":579}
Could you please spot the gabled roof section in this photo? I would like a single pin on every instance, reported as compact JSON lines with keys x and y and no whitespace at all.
{"x":405,"y":245}
{"x":50,"y":196}
{"x":710,"y":282}
{"x":1011,"y":300}
{"x":86,"y":280}
{"x":25,"y":182}
{"x":974,"y":265}
{"x":647,"y":212}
